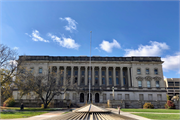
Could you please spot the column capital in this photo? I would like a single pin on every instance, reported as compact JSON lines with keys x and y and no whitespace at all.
{"x":86,"y":67}
{"x":65,"y":67}
{"x":79,"y":66}
{"x":121,"y":68}
{"x":100,"y":66}
{"x":72,"y":66}
{"x":114,"y":67}
{"x":107,"y":66}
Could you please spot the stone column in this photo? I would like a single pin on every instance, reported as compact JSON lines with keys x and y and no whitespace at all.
{"x":132,"y":77}
{"x":72,"y":74}
{"x":86,"y":75}
{"x":129,"y":82}
{"x":58,"y":78}
{"x":64,"y":75}
{"x":121,"y":71}
{"x":107,"y":76}
{"x":79,"y":74}
{"x":100,"y":76}
{"x":93,"y":81}
{"x":114,"y":75}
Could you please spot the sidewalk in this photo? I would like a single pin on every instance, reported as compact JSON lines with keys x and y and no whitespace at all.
{"x":128,"y":114}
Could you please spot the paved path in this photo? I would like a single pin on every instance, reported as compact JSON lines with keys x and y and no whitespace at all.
{"x":127,"y":114}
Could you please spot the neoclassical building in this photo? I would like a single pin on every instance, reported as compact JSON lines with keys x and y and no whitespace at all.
{"x":132,"y":78}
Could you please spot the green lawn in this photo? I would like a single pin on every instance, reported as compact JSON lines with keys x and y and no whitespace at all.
{"x":152,"y":110}
{"x":30,"y":109}
{"x":159,"y":116}
{"x":21,"y":114}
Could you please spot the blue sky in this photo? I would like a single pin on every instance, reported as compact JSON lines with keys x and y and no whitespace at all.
{"x":62,"y":28}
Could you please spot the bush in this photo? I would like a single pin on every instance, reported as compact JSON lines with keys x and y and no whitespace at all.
{"x":169,"y":105}
{"x":148,"y":106}
{"x":9,"y":102}
{"x":168,"y":98}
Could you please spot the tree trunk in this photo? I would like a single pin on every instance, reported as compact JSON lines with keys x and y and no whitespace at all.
{"x":45,"y":105}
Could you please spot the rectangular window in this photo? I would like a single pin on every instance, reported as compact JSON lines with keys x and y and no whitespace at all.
{"x":103,"y":73}
{"x":75,"y":72}
{"x":96,"y":73}
{"x":82,"y":73}
{"x":69,"y":72}
{"x":147,"y":71}
{"x":150,"y":97}
{"x":110,"y":73}
{"x":117,"y":73}
{"x":138,"y":71}
{"x":148,"y":84}
{"x":103,"y":81}
{"x":117,"y":81}
{"x":126,"y":96}
{"x":119,"y":96}
{"x":159,"y":97}
{"x":96,"y":80}
{"x":40,"y":70}
{"x":141,"y":97}
{"x":157,"y":83}
{"x":110,"y":81}
{"x":123,"y":73}
{"x":124,"y":80}
{"x":156,"y":71}
{"x":139,"y":83}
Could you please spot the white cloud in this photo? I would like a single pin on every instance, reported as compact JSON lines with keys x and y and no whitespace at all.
{"x":172,"y":62}
{"x":154,"y":49}
{"x":71,"y":24}
{"x":65,"y":42}
{"x":36,"y":36}
{"x":15,"y":48}
{"x":107,"y":46}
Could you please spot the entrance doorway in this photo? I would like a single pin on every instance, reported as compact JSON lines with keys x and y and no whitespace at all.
{"x":97,"y":97}
{"x":82,"y":97}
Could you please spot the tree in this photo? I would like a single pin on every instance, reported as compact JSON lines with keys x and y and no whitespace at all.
{"x":43,"y":86}
{"x":8,"y":70}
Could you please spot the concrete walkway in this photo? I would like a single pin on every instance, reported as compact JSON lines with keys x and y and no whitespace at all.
{"x":127,"y":114}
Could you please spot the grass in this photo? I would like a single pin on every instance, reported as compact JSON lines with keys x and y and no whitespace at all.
{"x":65,"y":112}
{"x":152,"y":110}
{"x":159,"y":116}
{"x":30,"y":109}
{"x":22,"y":114}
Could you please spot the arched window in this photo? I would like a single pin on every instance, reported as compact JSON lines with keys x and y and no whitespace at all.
{"x":82,"y":97}
{"x":97,"y":97}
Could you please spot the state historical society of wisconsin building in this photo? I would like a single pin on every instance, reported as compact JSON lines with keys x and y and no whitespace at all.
{"x":135,"y":80}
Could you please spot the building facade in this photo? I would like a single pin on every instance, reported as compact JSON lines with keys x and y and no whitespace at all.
{"x":172,"y":86}
{"x":132,"y":78}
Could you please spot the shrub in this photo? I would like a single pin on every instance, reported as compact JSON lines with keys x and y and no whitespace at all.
{"x":168,"y":98}
{"x":9,"y":102}
{"x":169,"y":105}
{"x":148,"y":106}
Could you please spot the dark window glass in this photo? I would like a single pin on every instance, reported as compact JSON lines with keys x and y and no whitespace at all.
{"x":138,"y":71}
{"x":96,"y":73}
{"x":155,"y":71}
{"x":82,"y":72}
{"x":103,"y":73}
{"x":110,"y":81}
{"x":124,"y":81}
{"x":157,"y":83}
{"x":103,"y":81}
{"x":110,"y":73}
{"x":170,"y":88}
{"x":176,"y":87}
{"x":76,"y":72}
{"x":117,"y":73}
{"x":147,"y":71}
{"x":69,"y":72}
{"x":117,"y":81}
{"x":96,"y":80}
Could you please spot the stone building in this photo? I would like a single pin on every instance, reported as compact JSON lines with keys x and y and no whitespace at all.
{"x":135,"y":80}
